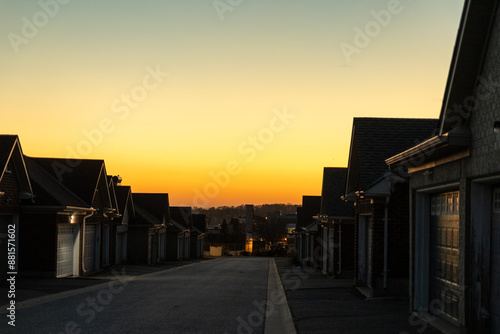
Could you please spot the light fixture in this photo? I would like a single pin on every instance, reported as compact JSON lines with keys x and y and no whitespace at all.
{"x":496,"y":127}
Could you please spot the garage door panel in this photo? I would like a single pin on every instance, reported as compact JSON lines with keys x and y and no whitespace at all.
{"x":89,"y":252}
{"x":65,"y":247}
{"x":444,"y":256}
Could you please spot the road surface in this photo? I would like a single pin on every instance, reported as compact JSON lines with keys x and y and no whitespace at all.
{"x":226,"y":295}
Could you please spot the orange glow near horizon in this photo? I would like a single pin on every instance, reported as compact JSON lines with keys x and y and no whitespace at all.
{"x":217,"y":112}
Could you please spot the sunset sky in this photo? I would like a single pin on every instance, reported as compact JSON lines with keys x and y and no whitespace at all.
{"x":217,"y":102}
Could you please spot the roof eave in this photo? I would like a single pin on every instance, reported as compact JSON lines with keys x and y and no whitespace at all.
{"x":455,"y":141}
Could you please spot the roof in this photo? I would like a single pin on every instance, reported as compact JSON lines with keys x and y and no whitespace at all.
{"x":200,"y":222}
{"x":123,"y":196}
{"x":332,"y":205}
{"x":11,"y":151}
{"x":156,"y":204}
{"x":311,"y":206}
{"x":81,"y":177}
{"x":49,"y":191}
{"x":464,"y":78}
{"x":7,"y":143}
{"x":143,"y":217}
{"x":181,"y":215}
{"x":467,"y":61}
{"x":375,"y":139}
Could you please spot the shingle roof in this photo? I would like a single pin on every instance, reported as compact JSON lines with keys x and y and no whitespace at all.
{"x":122,"y":197}
{"x":156,"y":204}
{"x":334,"y":180}
{"x":144,"y":217}
{"x":311,"y":206}
{"x":49,"y":191}
{"x":375,"y":139}
{"x":81,"y":178}
{"x":181,"y":215}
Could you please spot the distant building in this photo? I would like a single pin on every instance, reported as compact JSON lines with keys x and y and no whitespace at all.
{"x":249,"y":221}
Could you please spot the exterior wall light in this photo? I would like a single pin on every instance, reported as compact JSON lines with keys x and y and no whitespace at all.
{"x":496,"y":127}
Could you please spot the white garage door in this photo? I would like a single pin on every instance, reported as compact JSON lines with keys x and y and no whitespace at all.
{"x":65,"y":246}
{"x":89,"y":252}
{"x":495,"y":264}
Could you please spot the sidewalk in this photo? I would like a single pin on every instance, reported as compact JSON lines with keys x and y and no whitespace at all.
{"x":29,"y":288}
{"x":325,"y":305}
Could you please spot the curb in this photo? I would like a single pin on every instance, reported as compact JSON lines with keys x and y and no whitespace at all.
{"x":278,"y":316}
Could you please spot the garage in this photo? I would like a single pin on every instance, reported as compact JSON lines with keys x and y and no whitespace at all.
{"x":162,"y":251}
{"x":444,"y":293}
{"x":495,"y":264}
{"x":65,"y":249}
{"x":119,"y":248}
{"x":89,"y":253}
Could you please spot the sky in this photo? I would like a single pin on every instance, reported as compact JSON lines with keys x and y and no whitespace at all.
{"x":217,"y":102}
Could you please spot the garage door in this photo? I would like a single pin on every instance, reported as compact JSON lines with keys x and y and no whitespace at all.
{"x":161,"y":254}
{"x":65,"y":246}
{"x":90,"y":245}
{"x":495,"y":264}
{"x":119,"y":248}
{"x":444,"y":256}
{"x":106,"y":241}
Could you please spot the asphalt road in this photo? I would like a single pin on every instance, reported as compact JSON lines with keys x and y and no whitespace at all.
{"x":226,"y":295}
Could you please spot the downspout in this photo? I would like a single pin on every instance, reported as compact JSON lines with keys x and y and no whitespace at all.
{"x":340,"y":247}
{"x":83,"y":241}
{"x":386,"y":237}
{"x":333,"y":248}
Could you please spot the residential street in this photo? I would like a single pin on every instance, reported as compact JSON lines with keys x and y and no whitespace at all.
{"x":206,"y":297}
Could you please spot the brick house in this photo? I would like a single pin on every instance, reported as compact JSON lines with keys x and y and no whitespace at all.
{"x":198,"y":233}
{"x":455,"y":188}
{"x":337,"y":225}
{"x":181,"y":217}
{"x":147,"y":235}
{"x":63,"y":227}
{"x":381,"y":201}
{"x":15,"y":186}
{"x":307,"y":242}
{"x":124,"y":214}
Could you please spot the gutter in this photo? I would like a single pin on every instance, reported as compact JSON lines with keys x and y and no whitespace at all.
{"x":55,"y":207}
{"x":421,"y":148}
{"x":455,"y":140}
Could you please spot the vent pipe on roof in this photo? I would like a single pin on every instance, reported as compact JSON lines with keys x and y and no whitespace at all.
{"x":117,"y":180}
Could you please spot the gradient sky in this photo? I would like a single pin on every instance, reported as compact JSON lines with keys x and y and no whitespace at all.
{"x":85,"y":69}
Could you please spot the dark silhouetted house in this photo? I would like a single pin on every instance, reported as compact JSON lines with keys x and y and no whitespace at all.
{"x":455,"y":188}
{"x":307,"y":230}
{"x":198,"y":232}
{"x":64,"y":225}
{"x":15,"y":186}
{"x":337,"y":225}
{"x":381,"y":201}
{"x":147,"y":237}
{"x":125,"y":213}
{"x":176,"y":236}
{"x":181,"y":217}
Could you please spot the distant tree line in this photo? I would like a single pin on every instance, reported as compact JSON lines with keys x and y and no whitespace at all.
{"x":216,"y":215}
